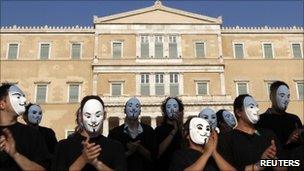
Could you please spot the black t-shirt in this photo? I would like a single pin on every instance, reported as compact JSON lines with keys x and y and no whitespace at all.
{"x":49,"y":138}
{"x":29,"y":143}
{"x":136,"y":161}
{"x":161,"y":132}
{"x":186,"y":157}
{"x":68,"y":150}
{"x":241,"y":149}
{"x":282,"y":125}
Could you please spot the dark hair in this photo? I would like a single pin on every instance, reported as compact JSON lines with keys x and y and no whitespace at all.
{"x":180,"y":105}
{"x":219,"y":116}
{"x":186,"y":132}
{"x":238,"y":103}
{"x":25,"y":114}
{"x":4,"y":90}
{"x":274,"y":87}
{"x":79,"y":126}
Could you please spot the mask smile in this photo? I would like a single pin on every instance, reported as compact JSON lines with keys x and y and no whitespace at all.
{"x":94,"y":125}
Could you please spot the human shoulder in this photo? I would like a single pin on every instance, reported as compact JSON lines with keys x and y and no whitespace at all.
{"x":146,"y":127}
{"x":116,"y":130}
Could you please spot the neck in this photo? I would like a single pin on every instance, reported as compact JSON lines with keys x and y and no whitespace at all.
{"x":195,"y":146}
{"x":245,"y":126}
{"x":90,"y":135}
{"x":276,"y":110}
{"x":7,"y":119}
{"x":132,"y":124}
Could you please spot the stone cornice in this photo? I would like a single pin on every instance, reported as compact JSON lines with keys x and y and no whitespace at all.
{"x":261,"y":30}
{"x":47,"y":29}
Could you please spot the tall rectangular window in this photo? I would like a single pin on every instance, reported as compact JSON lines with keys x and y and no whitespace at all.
{"x":117,"y":49}
{"x":159,"y":84}
{"x":267,"y":50}
{"x":202,"y":88}
{"x":74,"y":93}
{"x":200,"y":49}
{"x":44,"y":51}
{"x":12,"y":51}
{"x":174,"y":86}
{"x":144,"y":85}
{"x":144,"y":46}
{"x":172,"y":47}
{"x":116,"y":89}
{"x":76,"y":50}
{"x":159,"y":47}
{"x":297,"y":51}
{"x":242,"y":88}
{"x":300,"y":90}
{"x":238,"y":50}
{"x":41,"y":93}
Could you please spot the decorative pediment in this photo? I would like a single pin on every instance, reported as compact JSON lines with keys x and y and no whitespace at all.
{"x":157,"y":14}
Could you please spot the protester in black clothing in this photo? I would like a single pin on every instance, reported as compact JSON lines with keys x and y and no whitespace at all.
{"x":32,"y":117}
{"x":168,"y":136}
{"x":287,"y":127}
{"x":87,"y":149}
{"x":225,"y":120}
{"x":21,"y":147}
{"x":209,"y":115}
{"x":245,"y":146}
{"x":136,"y":137}
{"x":201,"y":152}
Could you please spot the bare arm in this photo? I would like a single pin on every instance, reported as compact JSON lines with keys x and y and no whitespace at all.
{"x":100,"y":166}
{"x":221,"y":162}
{"x":78,"y":164}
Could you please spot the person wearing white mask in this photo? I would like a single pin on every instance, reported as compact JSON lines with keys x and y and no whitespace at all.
{"x":136,"y":137}
{"x":245,"y":146}
{"x":201,"y":152}
{"x":32,"y":116}
{"x":286,"y":126}
{"x":88,"y":149}
{"x":21,"y":147}
{"x":168,"y":135}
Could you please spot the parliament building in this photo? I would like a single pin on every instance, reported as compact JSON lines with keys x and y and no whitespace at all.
{"x":150,"y":53}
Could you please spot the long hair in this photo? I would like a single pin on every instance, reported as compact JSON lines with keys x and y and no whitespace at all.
{"x":181,"y":110}
{"x":238,"y":104}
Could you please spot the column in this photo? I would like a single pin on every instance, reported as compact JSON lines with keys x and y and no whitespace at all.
{"x":94,"y":83}
{"x":152,"y":84}
{"x":222,"y":82}
{"x":181,"y":84}
{"x":167,"y":83}
{"x":166,"y":46}
{"x":137,"y":85}
{"x":153,"y":122}
{"x":179,"y":46}
{"x":138,"y":42}
{"x":96,"y":45}
{"x":105,"y":129}
{"x":220,"y":53}
{"x":151,"y":45}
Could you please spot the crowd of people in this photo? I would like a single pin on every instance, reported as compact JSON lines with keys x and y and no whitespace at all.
{"x":209,"y":141}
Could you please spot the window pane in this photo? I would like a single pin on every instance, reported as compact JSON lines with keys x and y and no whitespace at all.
{"x":301,"y":90}
{"x":199,"y":49}
{"x":159,"y":78}
{"x":44,"y":51}
{"x":296,"y":48}
{"x":12,"y":51}
{"x":202,"y":89}
{"x":116,"y":89}
{"x":117,"y":50}
{"x":242,"y":88}
{"x":41,"y":93}
{"x":74,"y":93}
{"x":268,"y":51}
{"x":239,"y":53}
{"x":159,"y":50}
{"x":144,"y":50}
{"x":172,"y":50}
{"x":76,"y":51}
{"x":174,"y":89}
{"x":145,"y":89}
{"x":159,"y":89}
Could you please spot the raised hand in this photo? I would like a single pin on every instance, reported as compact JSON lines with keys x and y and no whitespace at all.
{"x":210,"y":147}
{"x":7,"y":143}
{"x":270,"y":152}
{"x":90,"y":151}
{"x":294,"y":136}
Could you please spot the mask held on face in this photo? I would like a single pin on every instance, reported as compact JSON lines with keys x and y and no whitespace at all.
{"x":199,"y":130}
{"x":172,"y":109}
{"x":133,"y":108}
{"x":34,"y":115}
{"x":92,"y":117}
{"x":251,"y":109}
{"x":209,"y":115}
{"x":17,"y":100}
{"x":282,"y":97}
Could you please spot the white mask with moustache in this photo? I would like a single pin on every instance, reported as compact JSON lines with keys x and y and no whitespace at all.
{"x":251,"y":109}
{"x":92,"y":116}
{"x":133,"y":108}
{"x":17,"y":99}
{"x":199,"y":130}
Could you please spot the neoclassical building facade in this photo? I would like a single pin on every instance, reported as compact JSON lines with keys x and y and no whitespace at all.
{"x":150,"y":53}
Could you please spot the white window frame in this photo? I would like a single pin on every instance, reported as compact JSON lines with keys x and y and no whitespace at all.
{"x":297,"y":89}
{"x":122,"y":48}
{"x":148,"y":41}
{"x":202,"y":81}
{"x":79,"y":91}
{"x":18,"y":49}
{"x":155,"y":42}
{"x":266,"y":85}
{"x":121,"y":88}
{"x":233,"y":47}
{"x":272,"y":49}
{"x":46,"y":93}
{"x":176,"y":42}
{"x":237,"y":87}
{"x":301,"y":48}
{"x":205,"y":44}
{"x":71,"y":49}
{"x":50,"y":50}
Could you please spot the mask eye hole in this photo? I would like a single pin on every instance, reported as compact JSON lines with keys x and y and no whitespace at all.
{"x":34,"y":112}
{"x":199,"y":128}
